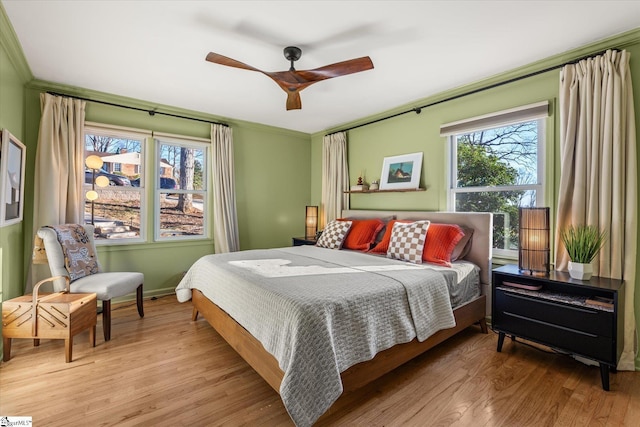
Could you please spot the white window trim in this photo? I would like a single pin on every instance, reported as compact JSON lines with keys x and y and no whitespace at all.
{"x":538,"y":112}
{"x":111,"y":130}
{"x":525,"y":113}
{"x":201,"y":143}
{"x":130,"y":133}
{"x":180,"y":139}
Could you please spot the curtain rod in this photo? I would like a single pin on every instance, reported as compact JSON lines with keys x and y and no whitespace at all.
{"x":418,"y":110}
{"x":150,"y":112}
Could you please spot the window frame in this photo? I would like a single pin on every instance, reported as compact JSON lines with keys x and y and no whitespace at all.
{"x":190,"y":142}
{"x":119,"y":132}
{"x":537,"y":112}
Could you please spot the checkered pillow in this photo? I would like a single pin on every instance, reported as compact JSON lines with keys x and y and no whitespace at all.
{"x":407,"y":241}
{"x":333,"y":234}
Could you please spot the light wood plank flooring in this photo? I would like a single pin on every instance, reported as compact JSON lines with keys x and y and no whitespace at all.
{"x":166,"y":370}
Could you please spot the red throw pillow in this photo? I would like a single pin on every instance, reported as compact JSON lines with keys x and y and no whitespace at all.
{"x":441,"y":240}
{"x":362,"y":233}
{"x":383,"y":246}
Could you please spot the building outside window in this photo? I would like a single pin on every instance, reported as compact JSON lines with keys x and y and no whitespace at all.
{"x":176,"y":180}
{"x":118,"y":212}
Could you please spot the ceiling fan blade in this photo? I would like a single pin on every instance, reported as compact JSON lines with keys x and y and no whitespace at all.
{"x":297,"y":80}
{"x":338,"y":69}
{"x":223,"y":60}
{"x":293,"y":81}
{"x":293,"y":101}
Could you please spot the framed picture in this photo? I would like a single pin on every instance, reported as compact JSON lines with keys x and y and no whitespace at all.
{"x":401,"y":172}
{"x":12,"y":159}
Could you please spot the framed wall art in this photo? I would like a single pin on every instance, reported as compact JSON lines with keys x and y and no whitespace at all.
{"x":12,"y":161}
{"x":401,"y":172}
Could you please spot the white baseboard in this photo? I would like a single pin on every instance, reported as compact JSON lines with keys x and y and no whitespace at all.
{"x":146,"y":294}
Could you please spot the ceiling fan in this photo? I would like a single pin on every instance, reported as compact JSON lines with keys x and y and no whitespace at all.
{"x":293,"y":81}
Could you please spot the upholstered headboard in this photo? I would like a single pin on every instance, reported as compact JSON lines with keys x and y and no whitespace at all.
{"x":481,"y":242}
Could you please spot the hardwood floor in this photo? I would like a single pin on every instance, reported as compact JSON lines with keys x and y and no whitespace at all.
{"x":166,"y":370}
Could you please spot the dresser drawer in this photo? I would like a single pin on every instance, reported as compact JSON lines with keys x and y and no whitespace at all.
{"x":574,"y":341}
{"x":584,"y":319}
{"x":555,"y":314}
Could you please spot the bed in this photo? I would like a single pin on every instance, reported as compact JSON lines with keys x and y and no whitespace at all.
{"x":316,"y":322}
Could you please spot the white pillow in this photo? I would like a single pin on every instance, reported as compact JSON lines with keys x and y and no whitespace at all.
{"x":407,"y":241}
{"x":333,"y":234}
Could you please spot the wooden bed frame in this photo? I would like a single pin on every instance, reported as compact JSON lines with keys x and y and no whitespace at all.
{"x":353,"y":378}
{"x":473,"y":312}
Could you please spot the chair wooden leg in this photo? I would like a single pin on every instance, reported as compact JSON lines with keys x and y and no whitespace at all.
{"x":194,"y":314}
{"x":92,"y":336}
{"x":106,"y":319}
{"x":139,"y":301}
{"x":68,"y":349}
{"x":6,"y":349}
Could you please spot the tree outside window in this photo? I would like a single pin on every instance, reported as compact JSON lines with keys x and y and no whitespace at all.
{"x":497,"y":170}
{"x":176,"y":180}
{"x":181,"y":190}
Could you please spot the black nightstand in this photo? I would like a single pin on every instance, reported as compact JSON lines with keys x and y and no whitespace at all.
{"x":563,"y":313}
{"x":300,"y":241}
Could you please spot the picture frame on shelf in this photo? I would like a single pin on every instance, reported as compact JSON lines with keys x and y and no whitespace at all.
{"x":401,"y":172}
{"x":12,"y":163}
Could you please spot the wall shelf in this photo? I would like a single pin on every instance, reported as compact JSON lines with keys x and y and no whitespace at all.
{"x":403,"y":190}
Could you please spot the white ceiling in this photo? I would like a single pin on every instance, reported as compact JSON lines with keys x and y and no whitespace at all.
{"x":155,"y":50}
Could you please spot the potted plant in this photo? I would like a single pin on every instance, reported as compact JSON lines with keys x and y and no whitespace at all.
{"x":582,"y":242}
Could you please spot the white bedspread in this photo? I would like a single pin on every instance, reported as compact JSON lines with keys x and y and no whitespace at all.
{"x":320,"y":311}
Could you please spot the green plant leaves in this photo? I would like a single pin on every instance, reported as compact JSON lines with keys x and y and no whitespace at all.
{"x":583,"y":242}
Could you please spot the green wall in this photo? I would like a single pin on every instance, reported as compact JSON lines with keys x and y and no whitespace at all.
{"x":272,"y":183}
{"x":14,"y":73}
{"x":273,"y":188}
{"x":412,"y":132}
{"x":279,"y":171}
{"x":272,"y":176}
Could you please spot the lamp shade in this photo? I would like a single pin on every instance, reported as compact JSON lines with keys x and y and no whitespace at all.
{"x":102,"y":181}
{"x":311,"y":222}
{"x":92,"y":195}
{"x":93,"y":162}
{"x":533,"y":248}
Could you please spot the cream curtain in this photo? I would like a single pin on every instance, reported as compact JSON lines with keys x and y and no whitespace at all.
{"x":335,"y":176}
{"x":225,"y":217}
{"x":59,"y":169}
{"x":598,"y":181}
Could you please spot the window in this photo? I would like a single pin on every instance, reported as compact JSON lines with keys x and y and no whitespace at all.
{"x":118,"y":212}
{"x":181,"y":189}
{"x":176,"y":177}
{"x":497,"y":166}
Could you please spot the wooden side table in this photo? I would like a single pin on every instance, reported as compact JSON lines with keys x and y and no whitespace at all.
{"x":562,"y":313}
{"x":60,"y":315}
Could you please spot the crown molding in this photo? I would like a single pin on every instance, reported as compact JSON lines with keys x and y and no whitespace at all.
{"x":619,"y":41}
{"x":44,"y":86}
{"x":9,"y":42}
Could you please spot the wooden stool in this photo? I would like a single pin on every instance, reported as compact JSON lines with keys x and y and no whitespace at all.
{"x":60,"y":315}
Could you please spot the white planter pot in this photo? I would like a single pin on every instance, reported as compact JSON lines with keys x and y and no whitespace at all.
{"x":580,"y":271}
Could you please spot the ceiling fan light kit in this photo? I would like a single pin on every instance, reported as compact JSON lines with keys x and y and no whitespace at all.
{"x":293,"y":81}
